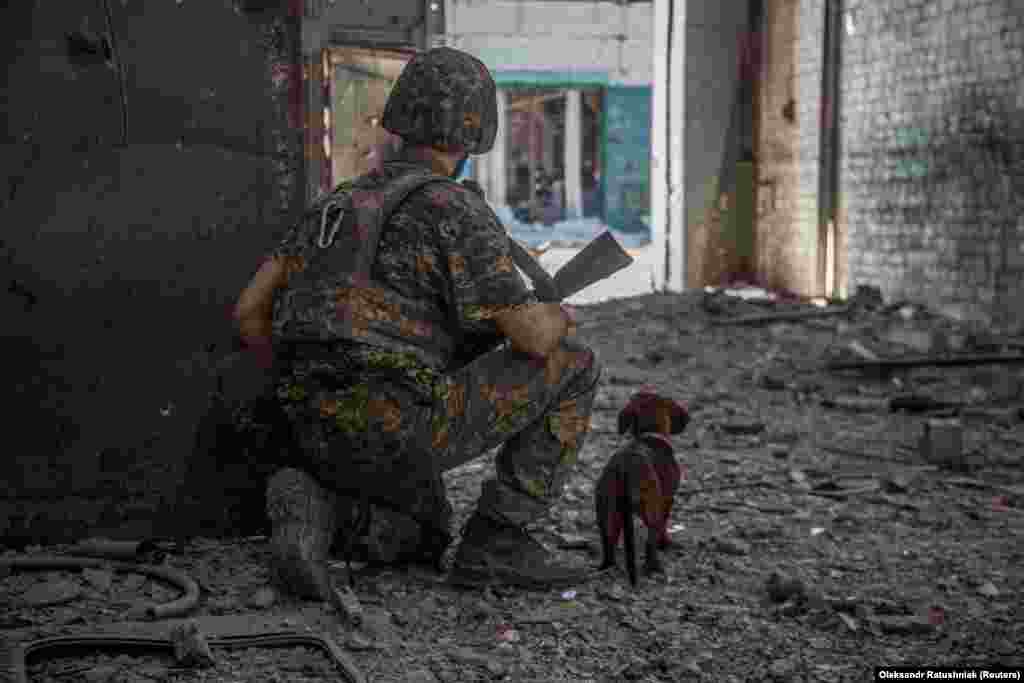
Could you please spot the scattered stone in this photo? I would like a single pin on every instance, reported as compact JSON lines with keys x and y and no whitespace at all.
{"x":377,"y":624}
{"x":907,"y":312}
{"x":771,"y":382}
{"x":1000,"y":384}
{"x":903,"y":625}
{"x":857,"y":404}
{"x":51,"y":592}
{"x":921,"y":341}
{"x":420,"y":676}
{"x":507,"y":634}
{"x":791,"y":608}
{"x":742,"y":427}
{"x":942,"y":442}
{"x":573,"y":542}
{"x":262,"y":598}
{"x":896,"y":483}
{"x":549,"y":615}
{"x":760,"y":531}
{"x":348,"y":605}
{"x":782,"y":668}
{"x":868,"y":297}
{"x":988,"y":589}
{"x":133,"y":581}
{"x":782,"y":588}
{"x":154,"y":672}
{"x":861,"y":351}
{"x":730,"y":546}
{"x":612,"y":592}
{"x":357,"y":642}
{"x":691,"y":665}
{"x":849,"y":621}
{"x":101,"y":674}
{"x":654,"y":357}
{"x":470,"y":657}
{"x":190,"y":646}
{"x":800,"y":479}
{"x":483,"y":609}
{"x":100,"y":579}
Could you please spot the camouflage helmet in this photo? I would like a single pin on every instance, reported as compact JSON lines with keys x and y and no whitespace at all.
{"x":444,"y":98}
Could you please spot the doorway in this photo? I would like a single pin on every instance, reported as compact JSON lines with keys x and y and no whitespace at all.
{"x":361,"y":80}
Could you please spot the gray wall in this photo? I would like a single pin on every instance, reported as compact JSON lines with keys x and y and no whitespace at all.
{"x":933,"y":151}
{"x":712,"y":40}
{"x":122,"y":257}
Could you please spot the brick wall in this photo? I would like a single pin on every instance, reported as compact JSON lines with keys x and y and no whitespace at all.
{"x":569,"y":35}
{"x":932,"y":169}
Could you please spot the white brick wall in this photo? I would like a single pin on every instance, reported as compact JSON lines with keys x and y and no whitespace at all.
{"x":565,"y":36}
{"x":933,"y":149}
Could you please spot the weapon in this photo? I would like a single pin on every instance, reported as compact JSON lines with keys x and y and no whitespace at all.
{"x":601,"y":258}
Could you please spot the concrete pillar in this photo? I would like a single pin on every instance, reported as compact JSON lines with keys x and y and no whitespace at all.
{"x":659,"y":142}
{"x":573,"y":154}
{"x":547,"y":147}
{"x":496,"y":158}
{"x":677,"y":150}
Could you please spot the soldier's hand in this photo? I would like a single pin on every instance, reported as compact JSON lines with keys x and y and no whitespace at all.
{"x":535,"y":328}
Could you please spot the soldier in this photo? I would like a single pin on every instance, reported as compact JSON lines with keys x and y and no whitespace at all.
{"x":435,"y":355}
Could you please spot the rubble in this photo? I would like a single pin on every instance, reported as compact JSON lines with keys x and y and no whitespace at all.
{"x":817,"y":531}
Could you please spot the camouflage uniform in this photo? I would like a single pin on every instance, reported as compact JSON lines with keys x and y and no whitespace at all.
{"x":394,"y":371}
{"x":389,"y":416}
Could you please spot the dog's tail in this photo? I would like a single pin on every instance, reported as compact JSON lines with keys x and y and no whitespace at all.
{"x":628,"y":532}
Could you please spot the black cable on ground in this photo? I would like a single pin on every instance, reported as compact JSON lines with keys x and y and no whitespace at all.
{"x":177,"y":608}
{"x":14,"y":656}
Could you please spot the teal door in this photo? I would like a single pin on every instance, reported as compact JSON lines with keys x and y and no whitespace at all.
{"x":626,"y":175}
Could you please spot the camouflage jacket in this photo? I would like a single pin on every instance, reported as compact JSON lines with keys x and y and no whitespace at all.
{"x":421,"y":301}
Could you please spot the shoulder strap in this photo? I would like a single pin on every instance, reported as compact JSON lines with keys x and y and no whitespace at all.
{"x":544,"y":285}
{"x":406,"y":186}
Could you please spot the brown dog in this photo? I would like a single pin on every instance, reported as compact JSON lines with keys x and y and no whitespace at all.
{"x":641,"y":479}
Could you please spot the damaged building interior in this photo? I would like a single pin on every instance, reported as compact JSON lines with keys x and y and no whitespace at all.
{"x":821,"y":203}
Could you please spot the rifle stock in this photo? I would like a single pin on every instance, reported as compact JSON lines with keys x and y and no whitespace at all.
{"x":600,"y":259}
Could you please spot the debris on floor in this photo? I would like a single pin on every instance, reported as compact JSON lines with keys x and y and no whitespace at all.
{"x":853,"y":496}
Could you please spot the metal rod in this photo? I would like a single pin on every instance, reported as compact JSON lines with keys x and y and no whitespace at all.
{"x":115,"y":54}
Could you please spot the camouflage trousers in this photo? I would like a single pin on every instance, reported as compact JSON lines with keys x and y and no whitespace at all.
{"x":392,"y":441}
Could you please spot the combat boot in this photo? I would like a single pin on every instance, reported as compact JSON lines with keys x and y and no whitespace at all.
{"x":303,"y":518}
{"x":387,"y":537}
{"x":492,"y":551}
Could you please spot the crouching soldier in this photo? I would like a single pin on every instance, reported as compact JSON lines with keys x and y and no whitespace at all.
{"x":407,"y":346}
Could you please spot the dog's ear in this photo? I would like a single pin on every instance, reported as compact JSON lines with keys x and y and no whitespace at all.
{"x":680,"y":418}
{"x":627,"y":420}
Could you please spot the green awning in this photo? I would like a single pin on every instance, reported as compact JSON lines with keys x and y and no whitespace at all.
{"x":553,"y":79}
